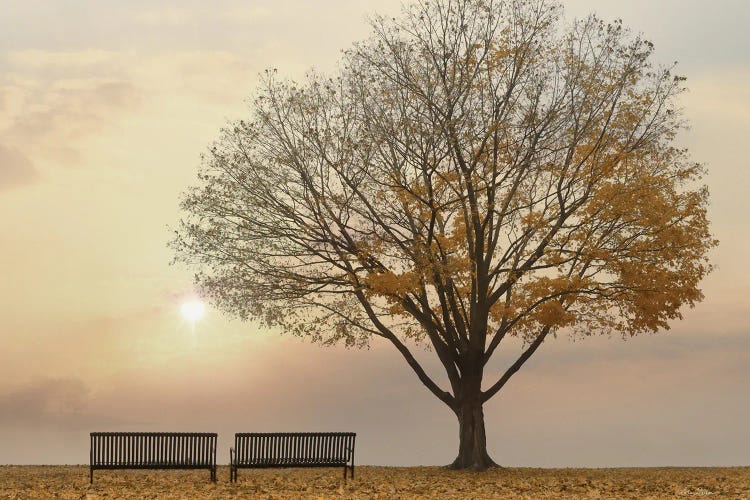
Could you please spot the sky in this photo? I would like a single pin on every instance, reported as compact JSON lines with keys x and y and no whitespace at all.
{"x":105,"y":109}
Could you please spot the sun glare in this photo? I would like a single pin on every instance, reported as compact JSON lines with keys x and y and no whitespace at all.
{"x":193,"y":310}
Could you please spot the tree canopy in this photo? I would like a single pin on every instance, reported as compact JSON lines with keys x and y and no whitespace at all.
{"x":475,"y":170}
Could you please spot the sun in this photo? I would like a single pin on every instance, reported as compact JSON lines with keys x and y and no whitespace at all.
{"x":193,"y":310}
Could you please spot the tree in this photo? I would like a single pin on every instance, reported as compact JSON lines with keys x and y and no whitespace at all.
{"x":476,"y":170}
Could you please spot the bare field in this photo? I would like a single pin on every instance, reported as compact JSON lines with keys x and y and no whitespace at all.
{"x":28,"y":482}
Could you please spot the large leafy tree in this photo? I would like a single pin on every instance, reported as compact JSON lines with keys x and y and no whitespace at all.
{"x":476,"y":170}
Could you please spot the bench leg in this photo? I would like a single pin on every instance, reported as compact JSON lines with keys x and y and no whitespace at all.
{"x":91,"y":475}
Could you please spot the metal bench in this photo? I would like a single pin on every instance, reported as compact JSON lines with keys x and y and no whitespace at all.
{"x":153,"y":450}
{"x":292,"y":449}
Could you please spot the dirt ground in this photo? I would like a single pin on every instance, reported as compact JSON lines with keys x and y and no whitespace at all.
{"x":370,"y":482}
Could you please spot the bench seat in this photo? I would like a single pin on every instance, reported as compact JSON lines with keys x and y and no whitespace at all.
{"x":152,"y":450}
{"x":258,"y":450}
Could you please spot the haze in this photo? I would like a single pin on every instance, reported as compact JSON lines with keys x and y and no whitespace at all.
{"x":105,"y":108}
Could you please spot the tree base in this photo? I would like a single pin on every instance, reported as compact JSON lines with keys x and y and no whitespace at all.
{"x":476,"y":465}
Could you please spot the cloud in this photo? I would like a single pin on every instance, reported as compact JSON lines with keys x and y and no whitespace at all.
{"x":44,"y":59}
{"x":15,"y":169}
{"x":165,"y":15}
{"x":63,"y":403}
{"x":52,"y":102}
{"x":64,"y":113}
{"x":44,"y":401}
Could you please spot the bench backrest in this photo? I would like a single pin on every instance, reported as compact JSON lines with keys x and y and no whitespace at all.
{"x":153,"y":448}
{"x":293,"y":447}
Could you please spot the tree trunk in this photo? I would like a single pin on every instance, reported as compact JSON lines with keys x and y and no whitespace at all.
{"x":472,"y":447}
